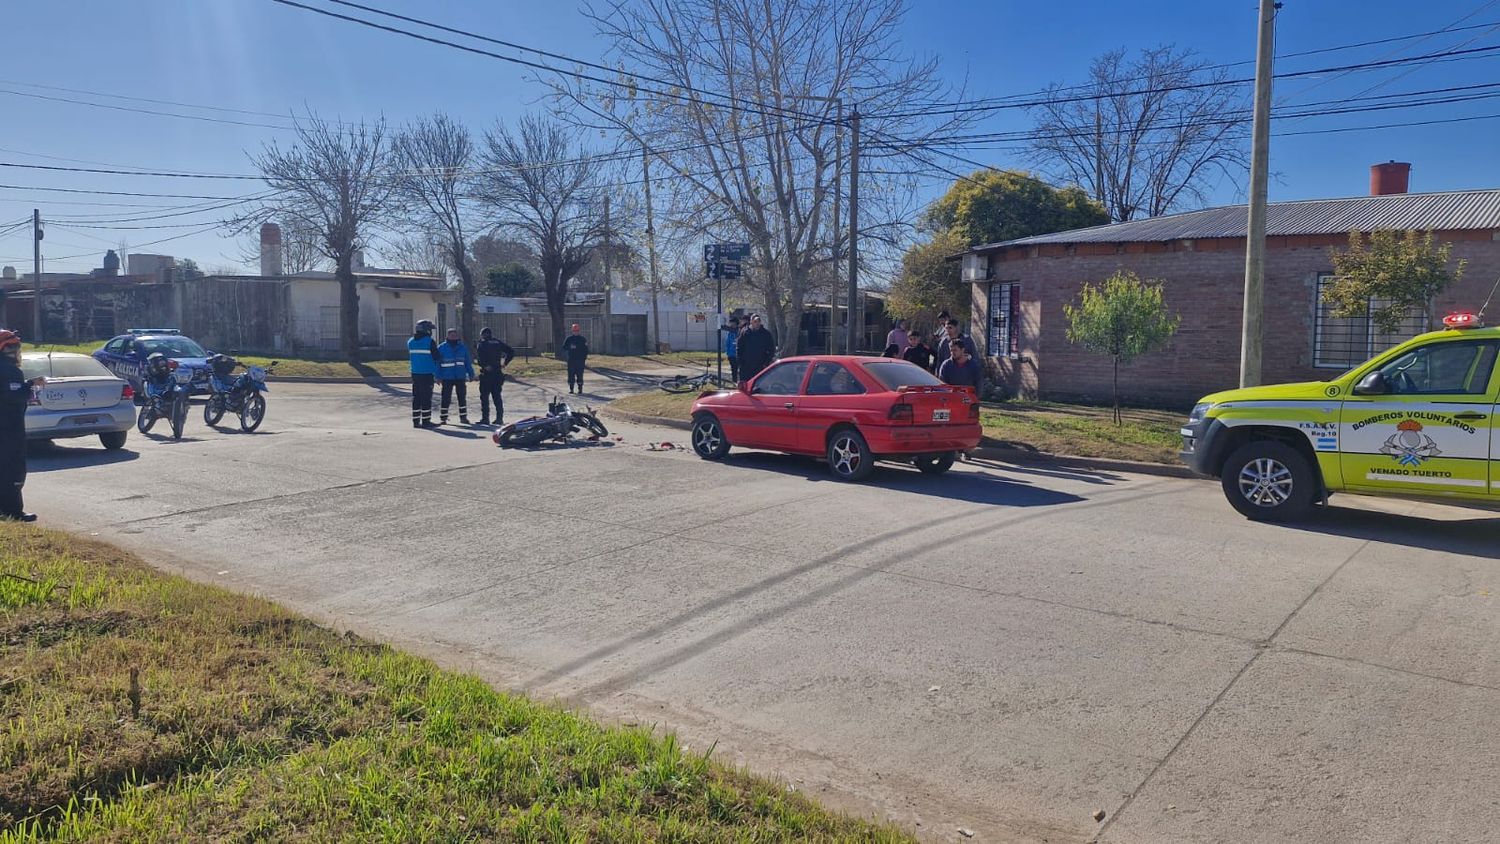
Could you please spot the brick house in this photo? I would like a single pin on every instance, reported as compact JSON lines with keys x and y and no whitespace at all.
{"x":1020,"y":287}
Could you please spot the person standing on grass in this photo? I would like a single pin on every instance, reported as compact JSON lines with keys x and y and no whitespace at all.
{"x":960,"y":370}
{"x":757,"y":349}
{"x":731,"y":347}
{"x":423,"y":352}
{"x":15,"y":395}
{"x":576,"y":351}
{"x":897,"y":337}
{"x":493,"y":356}
{"x":917,"y":351}
{"x":455,"y":370}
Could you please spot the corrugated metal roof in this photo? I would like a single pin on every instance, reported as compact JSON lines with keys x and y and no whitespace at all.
{"x":1475,"y":209}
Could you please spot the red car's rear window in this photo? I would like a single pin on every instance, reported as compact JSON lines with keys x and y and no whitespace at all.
{"x":895,"y":374}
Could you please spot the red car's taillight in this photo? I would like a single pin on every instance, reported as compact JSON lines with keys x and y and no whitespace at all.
{"x":127,"y":392}
{"x":974,"y":411}
{"x":900,"y":412}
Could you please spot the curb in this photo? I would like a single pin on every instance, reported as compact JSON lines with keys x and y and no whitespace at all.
{"x":315,"y":379}
{"x":1018,"y":456}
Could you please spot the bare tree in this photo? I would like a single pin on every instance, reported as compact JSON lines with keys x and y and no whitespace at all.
{"x":433,"y":159}
{"x":1138,"y":137}
{"x":756,"y":162}
{"x":538,"y":183}
{"x":421,"y":251}
{"x":334,"y":180}
{"x":301,"y":249}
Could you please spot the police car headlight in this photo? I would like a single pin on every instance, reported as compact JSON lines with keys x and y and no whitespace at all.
{"x":1199,"y":411}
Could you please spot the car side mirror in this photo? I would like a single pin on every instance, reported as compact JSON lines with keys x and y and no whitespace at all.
{"x":1372,"y":385}
{"x":744,"y":387}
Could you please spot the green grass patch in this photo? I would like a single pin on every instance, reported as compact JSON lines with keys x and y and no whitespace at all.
{"x":136,"y":706}
{"x":521,"y":367}
{"x":1071,"y":429}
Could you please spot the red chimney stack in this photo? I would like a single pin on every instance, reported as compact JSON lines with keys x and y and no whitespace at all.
{"x":1390,"y":177}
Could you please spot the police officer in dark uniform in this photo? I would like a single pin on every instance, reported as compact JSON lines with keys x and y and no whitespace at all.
{"x":576,"y":351}
{"x":492,"y":356}
{"x":15,"y":395}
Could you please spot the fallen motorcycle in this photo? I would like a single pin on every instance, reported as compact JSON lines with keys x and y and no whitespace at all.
{"x":560,"y":423}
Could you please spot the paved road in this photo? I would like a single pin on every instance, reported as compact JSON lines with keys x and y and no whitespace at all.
{"x":1001,"y":649}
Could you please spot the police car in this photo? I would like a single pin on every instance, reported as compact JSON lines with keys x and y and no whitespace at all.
{"x":126,"y":355}
{"x":1417,"y":421}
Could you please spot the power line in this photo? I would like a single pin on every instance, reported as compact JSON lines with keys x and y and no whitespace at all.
{"x":116,"y":192}
{"x":757,"y":107}
{"x":199,"y":117}
{"x":113,"y":172}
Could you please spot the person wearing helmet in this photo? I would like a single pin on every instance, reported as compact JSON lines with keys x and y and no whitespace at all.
{"x":423,"y":352}
{"x":15,"y":395}
{"x":575,"y":350}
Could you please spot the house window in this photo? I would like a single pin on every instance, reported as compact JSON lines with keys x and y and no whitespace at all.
{"x":1346,"y":342}
{"x":1004,"y":336}
{"x":329,"y":331}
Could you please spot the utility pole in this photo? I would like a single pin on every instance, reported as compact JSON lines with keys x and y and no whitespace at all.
{"x":608,"y":286}
{"x":838,"y":191}
{"x":719,"y":337}
{"x":651,"y":252}
{"x":1255,"y":238}
{"x":850,"y":335}
{"x":36,"y":269}
{"x":1098,"y":152}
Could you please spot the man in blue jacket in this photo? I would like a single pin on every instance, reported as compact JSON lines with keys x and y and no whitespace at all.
{"x":455,"y":370}
{"x":422,"y":350}
{"x":731,"y":347}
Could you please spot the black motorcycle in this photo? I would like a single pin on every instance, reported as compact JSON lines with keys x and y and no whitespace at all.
{"x":165,"y":396}
{"x":559,"y":424}
{"x":240,"y":396}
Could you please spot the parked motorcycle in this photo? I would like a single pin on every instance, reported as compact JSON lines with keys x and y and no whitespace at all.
{"x":238,"y":395}
{"x":559,"y":423}
{"x":165,"y":395}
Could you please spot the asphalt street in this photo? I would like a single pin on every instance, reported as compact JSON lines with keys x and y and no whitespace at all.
{"x":1002,"y":650}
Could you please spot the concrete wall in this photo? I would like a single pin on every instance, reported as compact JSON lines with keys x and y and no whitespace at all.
{"x":1203,"y":282}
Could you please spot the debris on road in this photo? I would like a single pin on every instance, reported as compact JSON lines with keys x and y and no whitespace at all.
{"x":967,"y":833}
{"x":1099,"y":815}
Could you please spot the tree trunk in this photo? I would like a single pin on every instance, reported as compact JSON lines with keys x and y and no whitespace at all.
{"x":1115,"y":388}
{"x":468,"y":296}
{"x":557,"y":310}
{"x":348,"y":308}
{"x":791,"y":344}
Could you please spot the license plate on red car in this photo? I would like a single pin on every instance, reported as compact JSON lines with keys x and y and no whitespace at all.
{"x":940,"y":416}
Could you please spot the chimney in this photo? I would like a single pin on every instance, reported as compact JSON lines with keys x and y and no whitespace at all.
{"x":111,"y":263}
{"x":1389,"y":178}
{"x":357,"y":261}
{"x":270,"y":250}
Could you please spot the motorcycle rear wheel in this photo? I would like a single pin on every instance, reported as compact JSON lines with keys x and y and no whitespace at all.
{"x":512,"y":437}
{"x":252,"y":412}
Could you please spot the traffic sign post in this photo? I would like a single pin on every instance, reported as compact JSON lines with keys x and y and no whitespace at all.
{"x":721,"y":261}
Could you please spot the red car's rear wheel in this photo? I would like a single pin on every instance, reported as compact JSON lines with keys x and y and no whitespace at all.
{"x":934,"y":464}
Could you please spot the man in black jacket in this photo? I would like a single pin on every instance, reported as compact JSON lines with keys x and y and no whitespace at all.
{"x":15,"y":395}
{"x":492,"y":356}
{"x":576,"y":351}
{"x":757,"y":349}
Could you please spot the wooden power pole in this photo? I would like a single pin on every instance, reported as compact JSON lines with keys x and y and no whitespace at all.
{"x":1255,"y":239}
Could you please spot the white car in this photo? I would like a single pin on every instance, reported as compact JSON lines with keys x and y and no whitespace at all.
{"x":81,"y":398}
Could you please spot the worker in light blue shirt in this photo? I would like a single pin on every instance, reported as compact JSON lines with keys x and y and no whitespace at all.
{"x":455,"y":370}
{"x":421,"y":349}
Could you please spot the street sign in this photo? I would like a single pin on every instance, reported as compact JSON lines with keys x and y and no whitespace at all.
{"x":724,"y":260}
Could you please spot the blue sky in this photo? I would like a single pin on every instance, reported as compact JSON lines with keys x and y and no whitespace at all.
{"x":258,"y":56}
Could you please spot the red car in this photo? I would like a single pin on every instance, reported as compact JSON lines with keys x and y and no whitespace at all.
{"x":851,"y":410}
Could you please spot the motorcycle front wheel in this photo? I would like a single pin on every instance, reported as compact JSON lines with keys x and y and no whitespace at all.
{"x":592,"y":423}
{"x":214,"y":410}
{"x":146,"y":417}
{"x":179,"y":415}
{"x":252,"y":412}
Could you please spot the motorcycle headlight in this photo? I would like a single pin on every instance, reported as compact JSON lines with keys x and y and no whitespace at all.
{"x":1198,"y":412}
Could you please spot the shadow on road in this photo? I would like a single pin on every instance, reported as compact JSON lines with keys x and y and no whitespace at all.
{"x":1066,"y":473}
{"x":51,"y":457}
{"x":638,"y":378}
{"x":1478,"y":537}
{"x":977,"y":487}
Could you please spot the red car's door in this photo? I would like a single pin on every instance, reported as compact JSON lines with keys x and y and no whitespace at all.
{"x":833,"y":395}
{"x":770,"y":417}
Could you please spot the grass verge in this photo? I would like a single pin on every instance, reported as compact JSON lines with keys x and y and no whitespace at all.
{"x":1080,"y":430}
{"x":521,"y":367}
{"x":143,"y":707}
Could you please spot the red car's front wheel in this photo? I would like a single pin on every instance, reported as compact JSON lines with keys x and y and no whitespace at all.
{"x":709,"y":441}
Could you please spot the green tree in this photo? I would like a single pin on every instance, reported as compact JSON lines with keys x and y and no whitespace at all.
{"x":510,"y":279}
{"x":994,"y":205}
{"x":1389,"y":276}
{"x":929,"y":282}
{"x":1124,"y":318}
{"x":986,"y":207}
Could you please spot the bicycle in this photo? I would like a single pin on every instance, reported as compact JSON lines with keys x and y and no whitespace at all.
{"x":692,"y":383}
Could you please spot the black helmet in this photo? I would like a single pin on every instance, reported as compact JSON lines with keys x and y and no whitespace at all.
{"x":157,"y":362}
{"x":424,"y":327}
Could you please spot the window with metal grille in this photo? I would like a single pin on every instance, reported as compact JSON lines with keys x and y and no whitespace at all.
{"x":1004,"y":336}
{"x":328,"y":327}
{"x":1346,"y":342}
